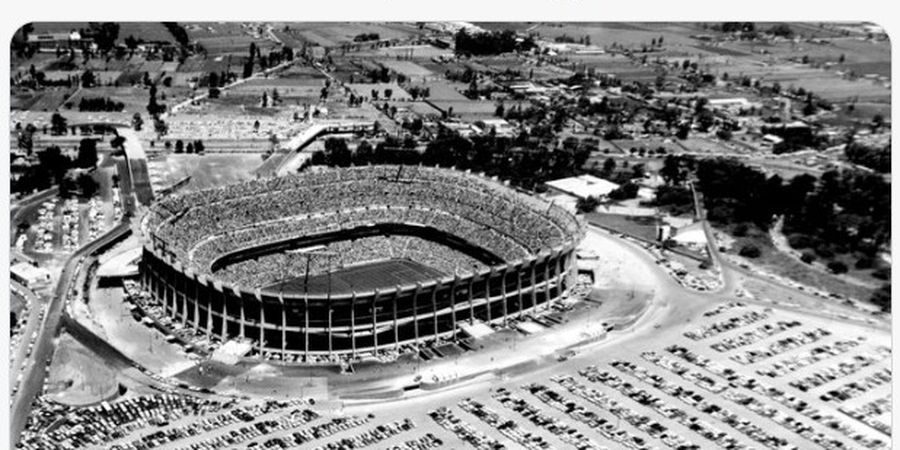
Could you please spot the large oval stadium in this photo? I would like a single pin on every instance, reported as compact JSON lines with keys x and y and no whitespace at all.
{"x":355,"y":261}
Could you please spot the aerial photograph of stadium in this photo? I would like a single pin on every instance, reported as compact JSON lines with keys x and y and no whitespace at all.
{"x":450,"y":235}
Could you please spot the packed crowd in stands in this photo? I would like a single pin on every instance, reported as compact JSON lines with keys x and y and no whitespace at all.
{"x":238,"y":128}
{"x":272,"y":268}
{"x":202,"y":226}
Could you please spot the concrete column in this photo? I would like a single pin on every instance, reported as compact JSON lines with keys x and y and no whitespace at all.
{"x":519,"y":289}
{"x":416,"y":312}
{"x":503,"y":294}
{"x":262,"y":322}
{"x":306,"y":327}
{"x":330,"y":335}
{"x":532,"y":269}
{"x":453,"y":304}
{"x":487,"y":289}
{"x":434,"y":308}
{"x":243,"y":316}
{"x":353,"y":324}
{"x":547,"y":284}
{"x":471,"y":290}
{"x":375,"y":321}
{"x":283,"y":327}
{"x":196,"y":283}
{"x":184,"y":306}
{"x":224,"y":314}
{"x":394,"y":300}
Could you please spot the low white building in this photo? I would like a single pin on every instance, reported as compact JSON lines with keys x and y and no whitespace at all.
{"x":29,"y":275}
{"x":582,"y":186}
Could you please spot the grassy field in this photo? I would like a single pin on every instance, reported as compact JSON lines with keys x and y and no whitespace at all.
{"x":76,"y":377}
{"x":643,"y":227}
{"x":366,"y":277}
{"x":774,"y":261}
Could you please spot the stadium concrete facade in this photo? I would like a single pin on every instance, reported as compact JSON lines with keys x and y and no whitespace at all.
{"x":530,"y":271}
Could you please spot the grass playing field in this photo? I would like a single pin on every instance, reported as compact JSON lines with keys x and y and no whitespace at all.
{"x":365,"y":277}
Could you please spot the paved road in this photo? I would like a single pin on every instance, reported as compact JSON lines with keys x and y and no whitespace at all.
{"x":33,"y":380}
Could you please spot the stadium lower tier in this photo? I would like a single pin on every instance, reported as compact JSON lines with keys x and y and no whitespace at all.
{"x":306,"y":327}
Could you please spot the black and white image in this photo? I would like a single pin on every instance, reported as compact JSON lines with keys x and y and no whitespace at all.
{"x":450,"y":235}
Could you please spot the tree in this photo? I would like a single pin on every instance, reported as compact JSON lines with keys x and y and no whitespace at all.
{"x":750,"y":251}
{"x":608,"y":167}
{"x":364,"y":153}
{"x":179,"y":146}
{"x":58,"y":124}
{"x":137,"y":122}
{"x":87,"y":153}
{"x":189,"y":148}
{"x":837,"y":267}
{"x":87,"y":185}
{"x":587,"y":204}
{"x":88,"y":79}
{"x":160,"y":127}
{"x":198,"y":146}
{"x":337,"y":153}
{"x":882,"y":297}
{"x":624,"y":192}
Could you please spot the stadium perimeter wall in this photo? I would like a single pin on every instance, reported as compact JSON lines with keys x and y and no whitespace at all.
{"x":309,"y":326}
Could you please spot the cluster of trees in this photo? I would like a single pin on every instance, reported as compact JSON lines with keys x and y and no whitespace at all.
{"x":191,"y":147}
{"x":873,"y":157}
{"x":840,"y":213}
{"x":55,"y":168}
{"x":100,"y":104}
{"x":365,"y":37}
{"x":275,"y":57}
{"x":491,"y":43}
{"x":154,"y":108}
{"x":525,"y":166}
{"x":178,"y":32}
{"x":105,"y":35}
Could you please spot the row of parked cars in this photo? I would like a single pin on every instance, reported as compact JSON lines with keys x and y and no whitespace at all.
{"x":810,"y":357}
{"x":781,"y":346}
{"x":426,"y":442}
{"x":93,"y":426}
{"x":837,"y":371}
{"x":227,"y":417}
{"x":707,"y":406}
{"x":720,"y":327}
{"x":753,"y":336}
{"x":371,"y":437}
{"x":508,"y":428}
{"x":463,"y":430}
{"x":790,"y":401}
{"x":560,"y":429}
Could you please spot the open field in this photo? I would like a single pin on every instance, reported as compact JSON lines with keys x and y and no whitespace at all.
{"x":643,"y":227}
{"x":206,"y":171}
{"x":363,"y":278}
{"x":76,"y":378}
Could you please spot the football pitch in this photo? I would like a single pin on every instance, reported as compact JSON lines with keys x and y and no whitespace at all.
{"x":365,"y":277}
